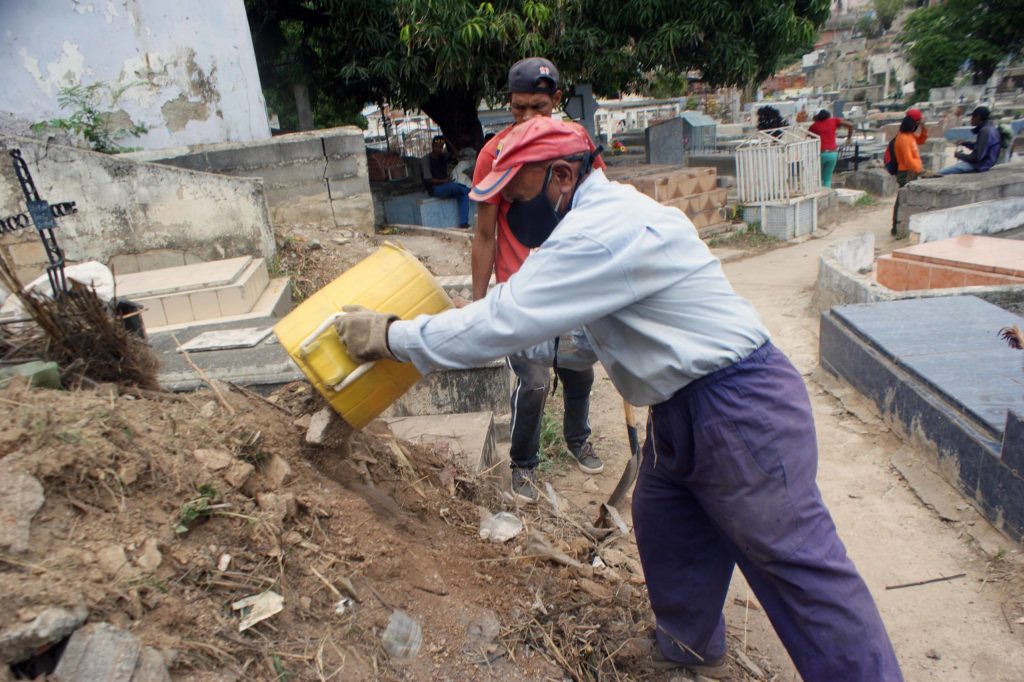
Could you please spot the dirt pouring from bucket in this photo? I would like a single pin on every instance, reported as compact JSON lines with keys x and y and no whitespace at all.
{"x":200,"y":537}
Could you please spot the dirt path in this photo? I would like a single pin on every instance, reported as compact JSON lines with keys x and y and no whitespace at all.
{"x":947,"y":631}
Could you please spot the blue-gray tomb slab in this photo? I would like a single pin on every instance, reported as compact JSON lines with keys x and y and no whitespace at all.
{"x":938,"y":368}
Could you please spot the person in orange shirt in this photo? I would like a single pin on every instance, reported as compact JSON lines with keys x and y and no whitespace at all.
{"x":908,"y":159}
{"x":499,"y":247}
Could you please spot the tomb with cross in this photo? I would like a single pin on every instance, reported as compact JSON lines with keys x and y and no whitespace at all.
{"x":42,"y":215}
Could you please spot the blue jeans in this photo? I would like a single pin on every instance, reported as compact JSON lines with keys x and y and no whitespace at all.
{"x":957,"y":168}
{"x":727,"y":479}
{"x":528,"y":399}
{"x":459,"y":192}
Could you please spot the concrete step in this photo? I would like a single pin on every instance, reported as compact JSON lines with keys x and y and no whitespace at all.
{"x":274,"y":302}
{"x":194,"y":293}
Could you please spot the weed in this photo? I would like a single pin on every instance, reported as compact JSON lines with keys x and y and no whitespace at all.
{"x":91,"y":107}
{"x":554,"y":457}
{"x":751,"y":238}
{"x":866,"y":200}
{"x":1001,"y":554}
{"x":196,"y":509}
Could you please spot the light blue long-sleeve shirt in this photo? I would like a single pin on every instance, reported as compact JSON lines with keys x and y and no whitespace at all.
{"x":633,"y":273}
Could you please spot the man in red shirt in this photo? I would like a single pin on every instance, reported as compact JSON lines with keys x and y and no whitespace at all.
{"x":533,"y":88}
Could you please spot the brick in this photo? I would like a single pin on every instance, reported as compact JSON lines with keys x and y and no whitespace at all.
{"x":125,"y":263}
{"x":891,"y":272}
{"x":945,"y":278}
{"x":918,"y":276}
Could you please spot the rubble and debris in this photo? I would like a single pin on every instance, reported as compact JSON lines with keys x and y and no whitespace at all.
{"x":99,"y":651}
{"x":21,"y":496}
{"x":19,"y":641}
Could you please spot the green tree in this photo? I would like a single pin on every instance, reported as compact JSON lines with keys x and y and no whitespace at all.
{"x":445,"y":56}
{"x":887,"y":11}
{"x":979,"y":33}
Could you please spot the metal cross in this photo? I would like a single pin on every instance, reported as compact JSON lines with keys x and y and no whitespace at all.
{"x":41,"y":214}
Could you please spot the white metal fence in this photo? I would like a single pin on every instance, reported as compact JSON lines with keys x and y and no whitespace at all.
{"x":777,"y":165}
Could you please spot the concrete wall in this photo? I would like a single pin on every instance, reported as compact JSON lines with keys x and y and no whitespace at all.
{"x":987,"y":217}
{"x":191,"y":63}
{"x":314,"y":176}
{"x":171,"y":216}
{"x":1002,"y":182}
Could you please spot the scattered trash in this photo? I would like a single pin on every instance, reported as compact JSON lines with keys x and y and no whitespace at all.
{"x":403,"y":637}
{"x":500,"y":527}
{"x":224,"y":562}
{"x":257,"y":608}
{"x":598,"y":563}
{"x":342,"y":605}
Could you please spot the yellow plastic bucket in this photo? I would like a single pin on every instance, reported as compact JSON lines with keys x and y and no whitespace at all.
{"x":390,"y":280}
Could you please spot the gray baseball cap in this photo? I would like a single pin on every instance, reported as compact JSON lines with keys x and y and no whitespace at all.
{"x":533,"y":74}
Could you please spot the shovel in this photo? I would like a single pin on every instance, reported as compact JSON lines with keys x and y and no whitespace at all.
{"x":609,"y":513}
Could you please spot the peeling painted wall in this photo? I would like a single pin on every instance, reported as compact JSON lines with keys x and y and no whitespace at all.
{"x":128,"y":207}
{"x":188,"y":66}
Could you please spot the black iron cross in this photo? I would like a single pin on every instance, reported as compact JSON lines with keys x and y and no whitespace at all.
{"x":41,"y":214}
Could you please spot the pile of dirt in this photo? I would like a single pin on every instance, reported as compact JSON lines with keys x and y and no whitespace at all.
{"x":161,"y":511}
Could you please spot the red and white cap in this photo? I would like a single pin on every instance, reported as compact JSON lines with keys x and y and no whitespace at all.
{"x":538,"y":139}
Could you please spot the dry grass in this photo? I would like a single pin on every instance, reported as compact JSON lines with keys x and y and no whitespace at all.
{"x":80,"y":332}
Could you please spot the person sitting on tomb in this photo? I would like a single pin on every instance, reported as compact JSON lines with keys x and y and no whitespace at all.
{"x":438,"y":181}
{"x":984,"y":151}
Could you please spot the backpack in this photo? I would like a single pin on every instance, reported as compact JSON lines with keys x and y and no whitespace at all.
{"x":890,"y":158}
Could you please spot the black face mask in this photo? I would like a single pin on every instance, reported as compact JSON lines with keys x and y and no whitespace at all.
{"x":533,"y":221}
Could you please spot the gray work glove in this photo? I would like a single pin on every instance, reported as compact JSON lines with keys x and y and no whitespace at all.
{"x":365,"y":333}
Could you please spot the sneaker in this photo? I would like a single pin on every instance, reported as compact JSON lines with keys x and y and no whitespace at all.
{"x":718,"y":669}
{"x":587,"y":460}
{"x":524,"y":485}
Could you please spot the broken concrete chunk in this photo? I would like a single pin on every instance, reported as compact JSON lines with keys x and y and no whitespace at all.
{"x":483,"y":630}
{"x":209,"y":409}
{"x":212,"y":459}
{"x":18,"y":643}
{"x":21,"y":496}
{"x":238,"y":473}
{"x":150,"y":667}
{"x":149,"y":557}
{"x":99,"y":652}
{"x":276,"y":470}
{"x":280,"y":506}
{"x":112,"y":559}
{"x":318,"y":425}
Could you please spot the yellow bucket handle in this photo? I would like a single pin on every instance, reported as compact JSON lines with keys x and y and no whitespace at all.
{"x":352,"y":376}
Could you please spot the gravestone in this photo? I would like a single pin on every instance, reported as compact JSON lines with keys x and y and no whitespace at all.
{"x":665,"y":142}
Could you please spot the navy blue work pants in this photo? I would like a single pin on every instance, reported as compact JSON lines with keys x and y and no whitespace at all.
{"x":728,"y":478}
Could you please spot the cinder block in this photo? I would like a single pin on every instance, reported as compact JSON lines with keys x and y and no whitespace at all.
{"x":28,"y":253}
{"x":343,"y":168}
{"x":344,"y":144}
{"x":177,"y":309}
{"x":205,"y":305}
